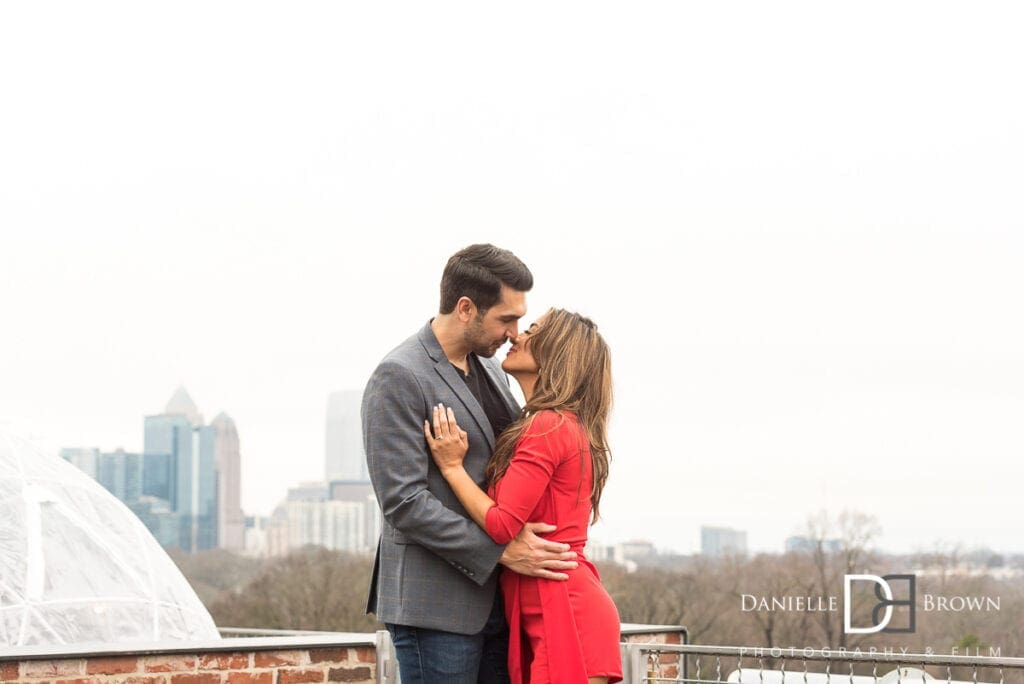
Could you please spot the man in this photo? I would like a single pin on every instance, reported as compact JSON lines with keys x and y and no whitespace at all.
{"x":434,"y":580}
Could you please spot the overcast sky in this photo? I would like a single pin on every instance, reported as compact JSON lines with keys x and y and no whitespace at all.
{"x":799,"y":225}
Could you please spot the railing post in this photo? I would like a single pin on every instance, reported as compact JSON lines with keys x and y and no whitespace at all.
{"x":387,"y":662}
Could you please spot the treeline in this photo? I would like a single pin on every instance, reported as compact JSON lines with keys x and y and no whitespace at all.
{"x":317,"y":589}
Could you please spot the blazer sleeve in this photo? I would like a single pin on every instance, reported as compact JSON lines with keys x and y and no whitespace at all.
{"x":398,"y":460}
{"x":539,"y":452}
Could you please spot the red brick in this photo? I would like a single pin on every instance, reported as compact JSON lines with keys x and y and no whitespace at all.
{"x":328,"y":655}
{"x":174,"y":663}
{"x":295,"y":676}
{"x":9,"y":671}
{"x":52,"y":668}
{"x":279,"y":658}
{"x":673,"y":638}
{"x":223,"y":661}
{"x":251,"y":678}
{"x":78,"y":680}
{"x":111,"y":665}
{"x":355,"y":674}
{"x":366,"y":654}
{"x":196,"y":678}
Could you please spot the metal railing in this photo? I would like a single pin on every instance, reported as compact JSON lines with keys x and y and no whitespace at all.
{"x":692,"y":664}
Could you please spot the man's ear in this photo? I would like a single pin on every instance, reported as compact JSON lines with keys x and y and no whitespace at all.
{"x":465,"y":309}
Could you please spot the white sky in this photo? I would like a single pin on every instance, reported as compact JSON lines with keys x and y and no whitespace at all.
{"x":798,"y":224}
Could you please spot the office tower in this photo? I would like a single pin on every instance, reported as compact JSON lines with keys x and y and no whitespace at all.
{"x":159,"y":519}
{"x":721,"y":541}
{"x":343,"y":445}
{"x":85,"y":459}
{"x":179,"y":466}
{"x":181,"y":404}
{"x":121,"y":473}
{"x":231,"y":520}
{"x":197,"y":492}
{"x":168,"y":439}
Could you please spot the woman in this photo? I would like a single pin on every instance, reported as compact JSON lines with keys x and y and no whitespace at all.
{"x":548,"y":466}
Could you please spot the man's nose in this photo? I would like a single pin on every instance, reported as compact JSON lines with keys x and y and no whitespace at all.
{"x":512,"y":331}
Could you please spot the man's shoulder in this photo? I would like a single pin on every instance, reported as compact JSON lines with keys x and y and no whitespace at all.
{"x":410,"y":355}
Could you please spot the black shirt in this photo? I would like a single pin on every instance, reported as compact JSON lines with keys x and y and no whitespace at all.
{"x":486,"y":395}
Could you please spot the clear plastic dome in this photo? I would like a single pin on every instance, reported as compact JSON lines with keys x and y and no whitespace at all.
{"x":76,"y":566}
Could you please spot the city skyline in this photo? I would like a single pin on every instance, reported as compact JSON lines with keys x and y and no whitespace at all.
{"x":712,"y":538}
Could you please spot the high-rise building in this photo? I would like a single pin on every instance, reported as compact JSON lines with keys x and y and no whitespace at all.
{"x":181,"y":404}
{"x":121,"y":473}
{"x":179,"y":466}
{"x":343,"y":444}
{"x":159,"y":519}
{"x":722,"y":541}
{"x":227,"y":455}
{"x":168,"y":439}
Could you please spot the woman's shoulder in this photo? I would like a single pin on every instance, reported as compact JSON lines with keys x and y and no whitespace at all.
{"x":551,"y":421}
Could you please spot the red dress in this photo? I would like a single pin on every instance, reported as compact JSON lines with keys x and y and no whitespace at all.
{"x":559,"y":631}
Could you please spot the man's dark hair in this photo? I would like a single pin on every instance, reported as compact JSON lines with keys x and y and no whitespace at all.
{"x":478,"y":272}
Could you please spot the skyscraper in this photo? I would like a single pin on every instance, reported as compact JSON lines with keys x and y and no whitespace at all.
{"x":227,"y":455}
{"x":343,"y":453}
{"x":179,"y":466}
{"x":121,"y":474}
{"x":168,"y":440}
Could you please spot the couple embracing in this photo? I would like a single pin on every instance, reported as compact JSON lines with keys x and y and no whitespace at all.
{"x":469,"y":481}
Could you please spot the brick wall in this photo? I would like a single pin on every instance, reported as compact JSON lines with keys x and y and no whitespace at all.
{"x":330,"y":664}
{"x":664,"y":665}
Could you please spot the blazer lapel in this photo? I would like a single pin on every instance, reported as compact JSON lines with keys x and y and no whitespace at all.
{"x":450,"y":375}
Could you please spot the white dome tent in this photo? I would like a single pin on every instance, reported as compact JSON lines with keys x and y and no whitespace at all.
{"x":77,"y":566}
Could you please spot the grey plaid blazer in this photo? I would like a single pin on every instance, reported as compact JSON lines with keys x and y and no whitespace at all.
{"x":435,"y":567}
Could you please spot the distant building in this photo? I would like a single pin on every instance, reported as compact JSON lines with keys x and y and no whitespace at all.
{"x":85,"y":459}
{"x":314,"y":491}
{"x":343,"y":440}
{"x":803,"y":544}
{"x":120,"y":473}
{"x":228,"y":463}
{"x":167,"y":442}
{"x":629,"y":555}
{"x":722,"y":541}
{"x":180,"y":468}
{"x":341,"y":515}
{"x":159,"y":519}
{"x":361,"y":493}
{"x":256,"y":541}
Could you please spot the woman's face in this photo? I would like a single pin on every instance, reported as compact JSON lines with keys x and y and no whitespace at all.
{"x":519,"y":360}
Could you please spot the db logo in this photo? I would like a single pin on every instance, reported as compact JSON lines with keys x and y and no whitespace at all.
{"x":883,"y":590}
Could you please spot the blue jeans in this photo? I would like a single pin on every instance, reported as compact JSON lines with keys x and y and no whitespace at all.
{"x":430,"y":656}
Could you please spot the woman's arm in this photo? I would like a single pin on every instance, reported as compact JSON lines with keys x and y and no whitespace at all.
{"x":525,"y":481}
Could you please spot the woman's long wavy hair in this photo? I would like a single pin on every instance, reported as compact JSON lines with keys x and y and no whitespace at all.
{"x":574,"y":374}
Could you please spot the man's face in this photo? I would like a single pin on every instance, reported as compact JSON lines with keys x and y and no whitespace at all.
{"x":485,"y":334}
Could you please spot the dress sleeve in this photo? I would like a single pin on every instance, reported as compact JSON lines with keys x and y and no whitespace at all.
{"x":538,"y":453}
